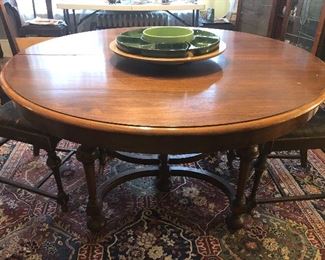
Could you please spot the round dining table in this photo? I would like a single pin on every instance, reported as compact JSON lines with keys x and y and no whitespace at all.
{"x":74,"y":87}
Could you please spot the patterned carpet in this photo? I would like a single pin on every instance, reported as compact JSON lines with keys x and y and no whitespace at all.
{"x":142,"y":223}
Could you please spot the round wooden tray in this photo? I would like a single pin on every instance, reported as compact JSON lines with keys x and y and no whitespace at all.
{"x":115,"y":49}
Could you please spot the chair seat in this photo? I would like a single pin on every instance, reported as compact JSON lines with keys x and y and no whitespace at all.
{"x":14,"y":126}
{"x":9,"y":116}
{"x":314,"y":128}
{"x":57,"y":30}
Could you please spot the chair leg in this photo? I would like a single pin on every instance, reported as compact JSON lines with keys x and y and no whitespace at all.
{"x":3,"y":97}
{"x":3,"y":141}
{"x":259,"y":168}
{"x":36,"y":150}
{"x":303,"y":157}
{"x":230,"y":157}
{"x":102,"y":156}
{"x":54,"y":162}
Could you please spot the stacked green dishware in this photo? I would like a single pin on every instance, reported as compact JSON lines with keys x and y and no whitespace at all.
{"x":168,"y":42}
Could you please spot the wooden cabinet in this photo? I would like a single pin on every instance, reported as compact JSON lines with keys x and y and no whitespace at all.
{"x":299,"y":22}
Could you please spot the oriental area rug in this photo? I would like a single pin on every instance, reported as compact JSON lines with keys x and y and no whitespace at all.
{"x":142,"y":223}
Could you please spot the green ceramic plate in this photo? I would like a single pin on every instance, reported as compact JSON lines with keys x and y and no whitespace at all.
{"x":133,"y":42}
{"x":138,"y":46}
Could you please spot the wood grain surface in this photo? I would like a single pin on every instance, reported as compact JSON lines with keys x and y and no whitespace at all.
{"x":255,"y":84}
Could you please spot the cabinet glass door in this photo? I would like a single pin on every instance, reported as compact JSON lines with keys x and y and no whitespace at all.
{"x":302,"y":22}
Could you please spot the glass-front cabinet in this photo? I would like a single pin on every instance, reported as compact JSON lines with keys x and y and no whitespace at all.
{"x":303,"y":20}
{"x":299,"y":22}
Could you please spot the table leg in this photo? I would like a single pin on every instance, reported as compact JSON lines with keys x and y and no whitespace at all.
{"x":75,"y":24}
{"x":87,"y":156}
{"x":163,"y":180}
{"x":193,"y":18}
{"x":197,"y":18}
{"x":66,"y":17}
{"x":238,"y":205}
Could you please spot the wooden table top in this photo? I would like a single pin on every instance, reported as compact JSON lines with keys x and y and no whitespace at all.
{"x":257,"y":82}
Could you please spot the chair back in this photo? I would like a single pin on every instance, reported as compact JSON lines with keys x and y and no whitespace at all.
{"x":13,"y":16}
{"x":8,"y":27}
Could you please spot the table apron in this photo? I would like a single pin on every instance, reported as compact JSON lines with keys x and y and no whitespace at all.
{"x":169,"y":144}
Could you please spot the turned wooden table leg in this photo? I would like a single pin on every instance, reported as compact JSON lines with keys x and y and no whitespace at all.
{"x":87,"y":156}
{"x":238,"y":205}
{"x":260,"y":167}
{"x":163,"y":180}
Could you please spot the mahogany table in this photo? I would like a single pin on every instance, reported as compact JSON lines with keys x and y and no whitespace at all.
{"x":74,"y":87}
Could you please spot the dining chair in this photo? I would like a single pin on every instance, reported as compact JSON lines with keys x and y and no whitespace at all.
{"x":309,"y":136}
{"x":14,"y":127}
{"x":27,"y":29}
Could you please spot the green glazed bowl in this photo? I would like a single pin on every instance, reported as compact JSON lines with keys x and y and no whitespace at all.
{"x":168,"y":34}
